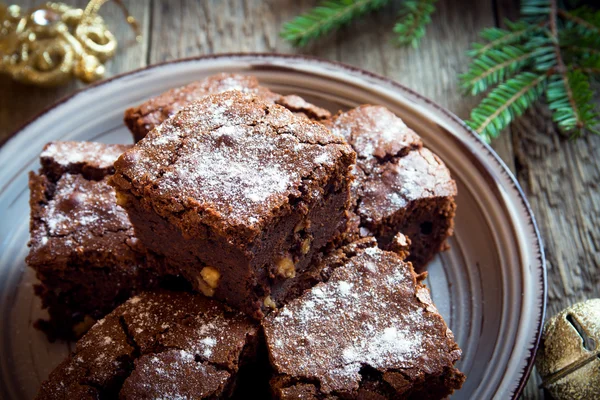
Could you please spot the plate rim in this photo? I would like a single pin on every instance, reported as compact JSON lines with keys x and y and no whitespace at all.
{"x":489,"y":152}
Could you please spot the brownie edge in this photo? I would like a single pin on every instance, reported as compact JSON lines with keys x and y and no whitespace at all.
{"x":143,"y":118}
{"x":400,"y":185}
{"x":82,"y":246}
{"x":369,"y":331}
{"x":237,"y":194}
{"x":158,"y":345}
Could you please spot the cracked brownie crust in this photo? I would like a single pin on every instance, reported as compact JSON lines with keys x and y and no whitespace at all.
{"x":143,"y":118}
{"x":400,"y":186}
{"x":82,"y":245}
{"x":369,"y":331}
{"x":158,"y":345}
{"x":237,"y":194}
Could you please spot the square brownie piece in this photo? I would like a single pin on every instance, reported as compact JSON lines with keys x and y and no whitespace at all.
{"x":400,"y":185}
{"x":237,"y":194}
{"x":161,"y":344}
{"x":82,"y":246}
{"x":143,"y":118}
{"x":369,"y":331}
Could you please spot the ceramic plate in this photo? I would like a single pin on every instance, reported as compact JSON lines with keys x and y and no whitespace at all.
{"x":490,"y":286}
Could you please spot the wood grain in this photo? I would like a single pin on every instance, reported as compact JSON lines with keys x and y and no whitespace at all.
{"x":560,"y":177}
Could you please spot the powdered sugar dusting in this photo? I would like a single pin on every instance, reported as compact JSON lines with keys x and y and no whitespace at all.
{"x":397,"y":170}
{"x":392,"y":186}
{"x":79,"y":212}
{"x":374,"y":131}
{"x":68,"y":153}
{"x":196,"y":325}
{"x":173,"y":375}
{"x":208,"y":344}
{"x":368,"y":313}
{"x":233,"y":154}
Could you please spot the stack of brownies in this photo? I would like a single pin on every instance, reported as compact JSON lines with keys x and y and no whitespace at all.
{"x":249,"y":244}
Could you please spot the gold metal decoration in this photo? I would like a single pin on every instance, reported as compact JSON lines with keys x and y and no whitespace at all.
{"x":569,"y":356}
{"x":50,"y":44}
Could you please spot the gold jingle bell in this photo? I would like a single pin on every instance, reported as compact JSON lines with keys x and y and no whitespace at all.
{"x":568,"y":359}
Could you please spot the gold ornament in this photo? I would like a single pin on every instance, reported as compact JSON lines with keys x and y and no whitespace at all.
{"x":50,"y":44}
{"x":569,"y":356}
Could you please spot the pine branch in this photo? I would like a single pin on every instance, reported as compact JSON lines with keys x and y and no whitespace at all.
{"x":576,"y":45}
{"x":544,"y":59}
{"x":542,"y":54}
{"x":493,"y":67}
{"x":327,"y":17}
{"x":574,"y":120}
{"x":594,"y":72}
{"x":575,"y":49}
{"x":535,"y":10}
{"x":571,"y":103}
{"x":585,"y":59}
{"x":505,"y":102}
{"x":498,"y":37}
{"x":415,"y":15}
{"x":589,"y":65}
{"x":583,"y":18}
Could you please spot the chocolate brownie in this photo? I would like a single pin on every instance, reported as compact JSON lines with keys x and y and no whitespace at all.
{"x":162,"y":344}
{"x":400,"y":185}
{"x":237,"y":194}
{"x":82,"y":245}
{"x":369,"y":331}
{"x":142,"y":119}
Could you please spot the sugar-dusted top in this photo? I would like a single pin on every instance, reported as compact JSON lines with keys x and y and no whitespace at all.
{"x":80,"y":214}
{"x":93,"y":160}
{"x":188,"y":322}
{"x":392,"y":186}
{"x":154,"y":111}
{"x":374,"y":131}
{"x":393,"y":168}
{"x":234,"y":160}
{"x":162,"y":344}
{"x":143,"y":118}
{"x":66,"y":154}
{"x":173,"y":374}
{"x":74,"y":212}
{"x":373,"y":312}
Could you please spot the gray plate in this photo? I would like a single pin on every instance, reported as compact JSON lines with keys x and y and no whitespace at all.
{"x":490,"y":286}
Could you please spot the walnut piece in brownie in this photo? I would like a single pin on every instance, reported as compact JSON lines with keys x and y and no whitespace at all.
{"x":237,"y":194}
{"x":158,"y":345}
{"x":143,"y":118}
{"x":369,"y":331}
{"x":82,"y":245}
{"x":400,"y":185}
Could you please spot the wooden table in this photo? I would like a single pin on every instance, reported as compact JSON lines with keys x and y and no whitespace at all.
{"x":560,"y":177}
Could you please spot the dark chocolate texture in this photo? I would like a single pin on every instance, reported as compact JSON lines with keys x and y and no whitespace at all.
{"x":237,"y":194}
{"x":369,"y":331}
{"x":158,"y":345}
{"x":82,"y":248}
{"x":143,"y":118}
{"x":400,"y":186}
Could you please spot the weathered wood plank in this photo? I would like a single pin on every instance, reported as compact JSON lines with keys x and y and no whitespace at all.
{"x":19,"y":102}
{"x":560,"y":178}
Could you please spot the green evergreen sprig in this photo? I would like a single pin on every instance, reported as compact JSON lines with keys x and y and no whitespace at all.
{"x":505,"y":102}
{"x":550,"y":54}
{"x":331,"y":15}
{"x":414,"y":17}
